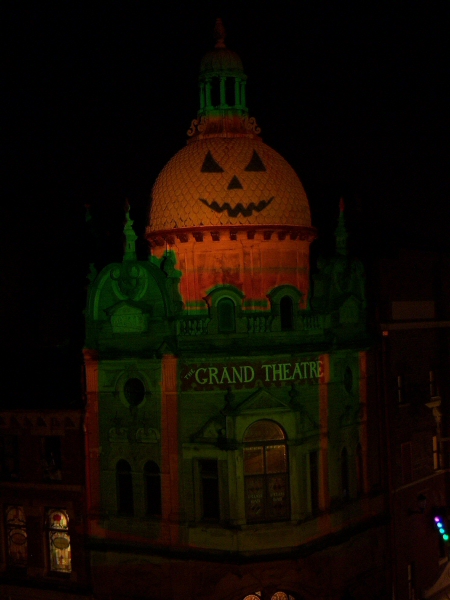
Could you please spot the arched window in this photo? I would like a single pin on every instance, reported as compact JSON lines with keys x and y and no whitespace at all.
{"x":359,"y":470}
{"x":275,"y":596}
{"x":152,"y":478}
{"x":344,"y":475}
{"x":59,"y":541}
{"x":287,"y":313}
{"x":124,"y":484}
{"x":226,"y":315}
{"x":266,"y":472}
{"x":16,"y":532}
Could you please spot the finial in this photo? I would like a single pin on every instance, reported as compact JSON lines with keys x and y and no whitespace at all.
{"x":220,"y":34}
{"x":129,"y":252}
{"x":341,"y":231}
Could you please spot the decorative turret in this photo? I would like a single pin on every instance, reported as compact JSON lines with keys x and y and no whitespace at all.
{"x":129,"y":246}
{"x":341,"y":231}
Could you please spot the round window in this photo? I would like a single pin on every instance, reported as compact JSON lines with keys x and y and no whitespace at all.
{"x":348,"y":380}
{"x":134,"y":391}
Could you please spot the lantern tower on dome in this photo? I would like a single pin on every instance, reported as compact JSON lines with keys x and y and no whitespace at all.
{"x":230,"y":207}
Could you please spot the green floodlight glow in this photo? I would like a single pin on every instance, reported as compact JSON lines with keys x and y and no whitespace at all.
{"x":445,"y":537}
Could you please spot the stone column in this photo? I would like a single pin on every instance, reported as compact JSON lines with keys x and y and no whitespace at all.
{"x":223,"y":100}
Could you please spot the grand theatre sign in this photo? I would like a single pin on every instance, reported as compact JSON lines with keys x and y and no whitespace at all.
{"x":221,"y":375}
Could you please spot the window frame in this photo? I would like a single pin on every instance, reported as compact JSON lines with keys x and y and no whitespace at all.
{"x":14,"y":528}
{"x":52,"y":534}
{"x":213,"y":298}
{"x":275,"y":296}
{"x":266,"y":477}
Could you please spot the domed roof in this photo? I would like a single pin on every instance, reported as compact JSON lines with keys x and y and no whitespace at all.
{"x":228,"y":181}
{"x":221,"y":61}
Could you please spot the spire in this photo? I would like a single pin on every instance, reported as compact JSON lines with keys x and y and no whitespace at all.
{"x":341,"y":231}
{"x":220,"y":34}
{"x":129,"y":246}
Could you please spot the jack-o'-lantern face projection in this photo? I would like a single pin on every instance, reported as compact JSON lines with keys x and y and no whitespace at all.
{"x":221,"y":181}
{"x":210,"y":165}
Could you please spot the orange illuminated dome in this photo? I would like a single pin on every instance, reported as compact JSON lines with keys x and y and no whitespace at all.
{"x":226,"y":175}
{"x":228,"y":181}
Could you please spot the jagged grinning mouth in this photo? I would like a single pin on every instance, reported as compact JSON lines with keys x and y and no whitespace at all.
{"x":239,"y":209}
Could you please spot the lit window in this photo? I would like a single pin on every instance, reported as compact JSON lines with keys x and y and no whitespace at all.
{"x":226,"y":315}
{"x":152,"y":478}
{"x":276,"y":596}
{"x":124,"y":482}
{"x":287,"y":313}
{"x":17,"y":536}
{"x":59,"y":541}
{"x":266,"y":472}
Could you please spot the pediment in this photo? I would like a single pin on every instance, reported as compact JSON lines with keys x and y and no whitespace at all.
{"x":127,"y":307}
{"x":211,"y":431}
{"x":262,"y":400}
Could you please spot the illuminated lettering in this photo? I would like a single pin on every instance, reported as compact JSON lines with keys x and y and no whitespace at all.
{"x":213,"y":374}
{"x":197,"y":376}
{"x":297,"y":371}
{"x":247,"y":377}
{"x":225,"y":374}
{"x":276,"y":371}
{"x":266,"y":368}
{"x":237,"y":376}
{"x":313,"y":367}
{"x":286,"y":367}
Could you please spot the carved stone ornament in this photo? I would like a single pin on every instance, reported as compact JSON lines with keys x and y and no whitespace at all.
{"x":147,"y":435}
{"x":130,"y":280}
{"x":118,"y":434}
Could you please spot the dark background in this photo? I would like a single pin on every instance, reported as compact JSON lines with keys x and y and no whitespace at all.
{"x":99,"y":96}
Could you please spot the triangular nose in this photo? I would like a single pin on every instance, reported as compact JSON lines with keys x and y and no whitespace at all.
{"x":235,"y":184}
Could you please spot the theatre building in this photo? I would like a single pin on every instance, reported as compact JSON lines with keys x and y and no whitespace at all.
{"x":232,"y":427}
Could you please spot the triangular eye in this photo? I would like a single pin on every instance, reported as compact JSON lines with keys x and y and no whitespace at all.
{"x":210,"y":165}
{"x":255,"y":164}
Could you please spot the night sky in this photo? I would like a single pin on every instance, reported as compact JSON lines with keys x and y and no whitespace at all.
{"x":100,"y":96}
